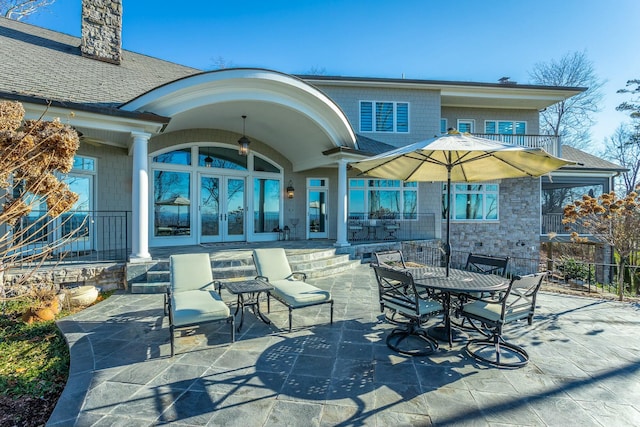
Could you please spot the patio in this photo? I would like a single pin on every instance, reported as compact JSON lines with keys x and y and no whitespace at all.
{"x":584,"y":368}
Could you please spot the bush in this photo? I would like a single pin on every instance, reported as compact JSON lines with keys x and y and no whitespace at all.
{"x":573,"y":269}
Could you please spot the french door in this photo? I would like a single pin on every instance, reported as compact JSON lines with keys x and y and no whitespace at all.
{"x":221,"y":212}
{"x":74,"y":229}
{"x":317,"y":212}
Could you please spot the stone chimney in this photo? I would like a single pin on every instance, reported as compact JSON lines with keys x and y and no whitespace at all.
{"x":102,"y":30}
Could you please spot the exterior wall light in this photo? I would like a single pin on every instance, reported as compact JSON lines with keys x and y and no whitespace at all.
{"x":290,"y":190}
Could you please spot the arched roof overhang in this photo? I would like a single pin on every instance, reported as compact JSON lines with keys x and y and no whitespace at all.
{"x":286,"y":113}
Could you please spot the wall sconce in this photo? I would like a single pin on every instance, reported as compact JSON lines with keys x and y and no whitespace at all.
{"x":290,"y":190}
{"x":243,"y":142}
{"x":208,"y":162}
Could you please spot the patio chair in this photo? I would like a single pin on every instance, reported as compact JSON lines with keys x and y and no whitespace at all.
{"x":490,"y":316}
{"x":354,"y":227}
{"x":191,"y":297}
{"x":390,"y":259}
{"x":487,"y":264}
{"x":391,"y":228}
{"x":289,"y":288}
{"x":484,"y":264}
{"x":397,"y":291}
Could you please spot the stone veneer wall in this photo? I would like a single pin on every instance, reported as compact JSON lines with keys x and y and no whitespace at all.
{"x":519,"y":222}
{"x":107,"y":276}
{"x":102,"y":30}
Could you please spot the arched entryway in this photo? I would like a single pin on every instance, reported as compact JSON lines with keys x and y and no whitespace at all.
{"x":208,"y":193}
{"x":289,"y":117}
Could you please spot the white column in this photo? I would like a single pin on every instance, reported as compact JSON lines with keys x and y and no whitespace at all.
{"x":140,"y":199}
{"x":341,"y":226}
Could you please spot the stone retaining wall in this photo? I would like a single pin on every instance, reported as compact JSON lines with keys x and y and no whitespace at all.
{"x":107,"y":276}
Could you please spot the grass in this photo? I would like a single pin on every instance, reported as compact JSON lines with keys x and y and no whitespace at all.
{"x":34,"y":365}
{"x":34,"y":359}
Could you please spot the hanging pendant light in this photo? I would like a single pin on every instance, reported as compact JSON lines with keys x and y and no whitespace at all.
{"x":243,"y":142}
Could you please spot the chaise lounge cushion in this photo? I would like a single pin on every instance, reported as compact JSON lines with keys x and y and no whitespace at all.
{"x":297,"y":293}
{"x":197,"y":306}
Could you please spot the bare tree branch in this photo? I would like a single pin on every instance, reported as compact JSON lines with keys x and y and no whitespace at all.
{"x":571,"y":119}
{"x":20,"y":9}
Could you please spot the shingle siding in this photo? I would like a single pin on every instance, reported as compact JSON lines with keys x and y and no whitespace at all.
{"x":424,"y":110}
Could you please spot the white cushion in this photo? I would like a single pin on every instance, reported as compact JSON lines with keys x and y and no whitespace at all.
{"x":196,"y":306}
{"x":424,"y":307}
{"x":271,"y":263}
{"x":297,"y":293}
{"x":492,"y":312}
{"x":190,"y":272}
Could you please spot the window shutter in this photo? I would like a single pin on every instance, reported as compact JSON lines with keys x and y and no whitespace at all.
{"x":366,"y":116}
{"x":402,"y":117}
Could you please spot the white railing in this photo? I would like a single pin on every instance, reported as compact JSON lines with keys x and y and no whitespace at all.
{"x":550,"y":143}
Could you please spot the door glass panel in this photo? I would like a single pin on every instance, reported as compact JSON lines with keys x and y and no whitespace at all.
{"x":75,"y":223}
{"x":210,"y":206}
{"x":266,"y":205}
{"x":317,"y":206}
{"x":172,"y":207}
{"x":235,"y":207}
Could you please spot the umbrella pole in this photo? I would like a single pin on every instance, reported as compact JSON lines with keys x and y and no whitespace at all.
{"x":447,"y":246}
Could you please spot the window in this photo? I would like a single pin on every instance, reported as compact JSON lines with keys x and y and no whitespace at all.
{"x":443,"y":126}
{"x":177,"y":157}
{"x":266,"y":204}
{"x":172,"y":202}
{"x":383,"y":198}
{"x":377,"y":116}
{"x":465,"y":125}
{"x":505,"y":127}
{"x":472,"y":201}
{"x":220,"y":157}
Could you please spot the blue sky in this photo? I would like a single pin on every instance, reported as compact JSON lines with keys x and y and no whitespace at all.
{"x":462,"y":40}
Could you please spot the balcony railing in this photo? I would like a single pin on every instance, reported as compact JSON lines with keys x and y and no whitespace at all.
{"x":360,"y":228}
{"x":78,"y":236}
{"x":552,"y":224}
{"x":551,"y":144}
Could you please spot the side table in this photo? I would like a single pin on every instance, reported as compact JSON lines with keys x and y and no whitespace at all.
{"x":248,"y":292}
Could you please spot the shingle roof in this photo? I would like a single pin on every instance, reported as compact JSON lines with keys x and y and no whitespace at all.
{"x":372,"y":146}
{"x":588,"y":161}
{"x":48,"y":64}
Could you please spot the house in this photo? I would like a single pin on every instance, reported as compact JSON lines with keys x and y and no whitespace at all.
{"x":172,"y":155}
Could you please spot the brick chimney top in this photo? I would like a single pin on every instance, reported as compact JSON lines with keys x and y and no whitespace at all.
{"x":102,"y":30}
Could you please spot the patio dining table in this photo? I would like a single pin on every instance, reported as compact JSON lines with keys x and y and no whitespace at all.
{"x":458,"y":283}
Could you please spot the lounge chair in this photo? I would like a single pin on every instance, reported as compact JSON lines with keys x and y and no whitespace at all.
{"x":191,"y":297}
{"x":289,"y":288}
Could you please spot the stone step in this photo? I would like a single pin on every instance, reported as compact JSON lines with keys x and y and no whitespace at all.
{"x":149,"y":288}
{"x":153,"y":277}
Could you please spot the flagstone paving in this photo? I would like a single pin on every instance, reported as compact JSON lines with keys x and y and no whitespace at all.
{"x":584,"y":368}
